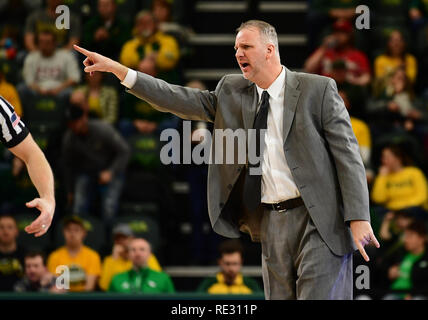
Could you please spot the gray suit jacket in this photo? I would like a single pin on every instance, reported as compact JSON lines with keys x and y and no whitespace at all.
{"x":320,"y":148}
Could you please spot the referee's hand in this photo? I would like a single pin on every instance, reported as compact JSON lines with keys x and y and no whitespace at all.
{"x":39,"y":226}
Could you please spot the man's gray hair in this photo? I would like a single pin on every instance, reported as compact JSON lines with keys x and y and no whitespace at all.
{"x":266,"y":30}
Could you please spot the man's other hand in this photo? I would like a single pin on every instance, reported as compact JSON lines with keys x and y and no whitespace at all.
{"x":362,"y":233}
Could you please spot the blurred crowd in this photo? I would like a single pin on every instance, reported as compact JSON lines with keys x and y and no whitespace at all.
{"x":103,"y":143}
{"x":380,"y":73}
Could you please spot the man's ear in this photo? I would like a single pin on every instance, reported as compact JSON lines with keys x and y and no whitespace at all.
{"x":270,"y":50}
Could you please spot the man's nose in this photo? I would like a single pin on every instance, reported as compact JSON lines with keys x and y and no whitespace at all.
{"x":238,"y":53}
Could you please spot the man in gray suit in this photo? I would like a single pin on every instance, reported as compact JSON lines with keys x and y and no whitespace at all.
{"x":309,"y":208}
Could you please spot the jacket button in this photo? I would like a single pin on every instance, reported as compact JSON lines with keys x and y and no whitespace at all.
{"x":221,"y":205}
{"x":230,"y":187}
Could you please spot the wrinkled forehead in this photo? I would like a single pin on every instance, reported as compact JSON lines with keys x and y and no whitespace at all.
{"x":248,"y":34}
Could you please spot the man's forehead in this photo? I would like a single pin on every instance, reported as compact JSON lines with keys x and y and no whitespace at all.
{"x":7,"y":220}
{"x":248,"y":33}
{"x":35,"y":259}
{"x":232,"y":255}
{"x":139,"y":243}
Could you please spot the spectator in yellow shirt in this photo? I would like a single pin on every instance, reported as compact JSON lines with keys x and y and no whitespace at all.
{"x":399,"y":185}
{"x":8,"y":91}
{"x":394,"y":57}
{"x":230,"y":280}
{"x":118,"y":261}
{"x":83,"y":263}
{"x":151,"y":51}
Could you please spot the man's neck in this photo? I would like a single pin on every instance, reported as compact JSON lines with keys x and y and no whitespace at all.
{"x":271,"y":75}
{"x":74,"y":250}
{"x":8,"y":247}
{"x":397,"y":169}
{"x":138,"y":268}
{"x":228,"y":280}
{"x":47,"y":55}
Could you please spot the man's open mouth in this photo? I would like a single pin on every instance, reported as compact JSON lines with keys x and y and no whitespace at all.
{"x":244,"y":65}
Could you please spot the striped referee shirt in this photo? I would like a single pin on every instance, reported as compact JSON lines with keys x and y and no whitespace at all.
{"x":13,"y":130}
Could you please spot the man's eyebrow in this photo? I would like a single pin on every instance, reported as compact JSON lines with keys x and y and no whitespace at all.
{"x":243,"y":45}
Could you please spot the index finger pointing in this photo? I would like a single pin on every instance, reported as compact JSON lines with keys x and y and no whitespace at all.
{"x":82,"y":50}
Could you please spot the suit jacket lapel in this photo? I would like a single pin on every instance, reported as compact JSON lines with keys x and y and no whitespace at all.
{"x":249,"y":109}
{"x":291,"y":96}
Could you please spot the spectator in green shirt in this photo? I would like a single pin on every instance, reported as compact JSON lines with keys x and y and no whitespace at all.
{"x":410,"y":276}
{"x":230,"y":279}
{"x":141,"y":279}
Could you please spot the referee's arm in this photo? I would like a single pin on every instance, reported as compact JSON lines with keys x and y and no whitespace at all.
{"x":41,"y":175}
{"x":16,"y":137}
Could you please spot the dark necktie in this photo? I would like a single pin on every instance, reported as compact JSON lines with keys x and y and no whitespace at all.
{"x":252,"y":185}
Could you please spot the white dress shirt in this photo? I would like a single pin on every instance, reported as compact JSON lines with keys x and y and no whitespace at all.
{"x":277,"y":182}
{"x":130,"y":79}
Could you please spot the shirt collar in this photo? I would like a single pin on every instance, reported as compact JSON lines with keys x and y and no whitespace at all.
{"x":275,"y":88}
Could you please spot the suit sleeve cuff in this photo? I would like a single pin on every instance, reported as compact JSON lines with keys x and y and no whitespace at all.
{"x":130,"y":79}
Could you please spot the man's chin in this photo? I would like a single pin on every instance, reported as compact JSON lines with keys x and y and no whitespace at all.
{"x":247,"y":75}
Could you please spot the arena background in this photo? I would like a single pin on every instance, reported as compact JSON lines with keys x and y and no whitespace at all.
{"x":167,"y":203}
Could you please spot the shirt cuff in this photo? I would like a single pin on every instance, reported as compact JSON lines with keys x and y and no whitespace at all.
{"x":130,"y":79}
